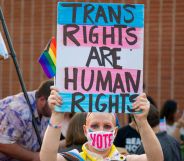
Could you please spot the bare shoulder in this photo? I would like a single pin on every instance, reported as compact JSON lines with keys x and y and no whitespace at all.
{"x":60,"y":157}
{"x":137,"y":157}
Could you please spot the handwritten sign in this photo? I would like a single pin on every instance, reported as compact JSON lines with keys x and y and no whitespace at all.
{"x":99,"y":56}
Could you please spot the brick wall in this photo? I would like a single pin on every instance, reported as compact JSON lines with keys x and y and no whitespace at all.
{"x":31,"y":24}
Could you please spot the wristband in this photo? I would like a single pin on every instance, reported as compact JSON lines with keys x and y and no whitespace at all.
{"x":55,"y":126}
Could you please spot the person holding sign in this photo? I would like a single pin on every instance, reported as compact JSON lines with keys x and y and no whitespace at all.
{"x":100,"y":130}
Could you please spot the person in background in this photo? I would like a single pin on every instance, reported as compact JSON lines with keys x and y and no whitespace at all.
{"x":179,"y":130}
{"x":173,"y":127}
{"x":127,"y":137}
{"x":75,"y":137}
{"x":100,"y":130}
{"x":170,"y":147}
{"x":18,"y":140}
{"x":67,"y":117}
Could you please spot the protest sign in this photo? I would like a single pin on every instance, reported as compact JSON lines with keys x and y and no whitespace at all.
{"x":99,"y":64}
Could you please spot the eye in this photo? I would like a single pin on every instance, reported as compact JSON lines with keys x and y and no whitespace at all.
{"x":107,"y":127}
{"x":94,"y":126}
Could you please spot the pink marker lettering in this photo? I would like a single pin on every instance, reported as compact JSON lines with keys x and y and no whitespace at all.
{"x":99,"y":141}
{"x":110,"y":139}
{"x":93,"y":137}
{"x":105,"y":140}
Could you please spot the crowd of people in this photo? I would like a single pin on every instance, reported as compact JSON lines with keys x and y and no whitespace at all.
{"x":87,"y":136}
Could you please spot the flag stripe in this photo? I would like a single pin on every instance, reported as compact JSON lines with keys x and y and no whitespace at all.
{"x":54,"y":42}
{"x":52,"y":56}
{"x":48,"y":59}
{"x":51,"y":63}
{"x":53,"y":49}
{"x":46,"y":66}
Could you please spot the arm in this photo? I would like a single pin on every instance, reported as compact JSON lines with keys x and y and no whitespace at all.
{"x":51,"y":138}
{"x":17,"y":152}
{"x":11,"y":130}
{"x":176,"y":134}
{"x":153,"y":150}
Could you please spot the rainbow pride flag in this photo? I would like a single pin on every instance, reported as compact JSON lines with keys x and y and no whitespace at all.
{"x":48,"y":59}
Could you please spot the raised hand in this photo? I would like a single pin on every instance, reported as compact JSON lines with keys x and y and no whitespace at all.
{"x":142,"y":106}
{"x":54,"y":98}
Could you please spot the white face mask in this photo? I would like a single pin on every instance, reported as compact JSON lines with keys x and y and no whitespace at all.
{"x":100,"y":140}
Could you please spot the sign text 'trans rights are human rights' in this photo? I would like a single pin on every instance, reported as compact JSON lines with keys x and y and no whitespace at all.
{"x":99,"y":56}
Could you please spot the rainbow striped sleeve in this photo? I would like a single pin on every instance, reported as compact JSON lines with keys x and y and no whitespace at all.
{"x":48,"y":59}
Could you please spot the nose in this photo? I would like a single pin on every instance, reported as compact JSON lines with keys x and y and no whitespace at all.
{"x":101,"y":128}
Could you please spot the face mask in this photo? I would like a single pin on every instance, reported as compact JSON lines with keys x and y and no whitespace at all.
{"x":100,"y":140}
